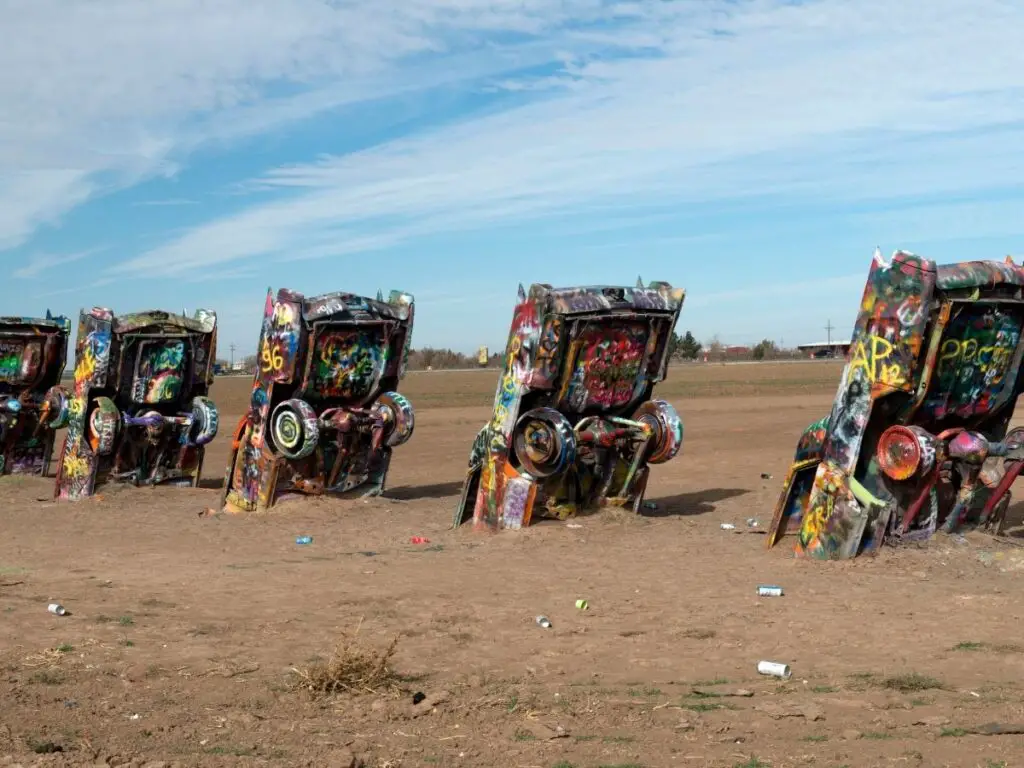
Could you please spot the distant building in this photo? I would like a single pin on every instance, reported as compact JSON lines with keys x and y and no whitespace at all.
{"x":825,"y":349}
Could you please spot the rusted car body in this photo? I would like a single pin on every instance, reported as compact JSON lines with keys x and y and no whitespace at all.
{"x":140,"y":412}
{"x":917,"y":440}
{"x":324,"y":416}
{"x":574,"y":424}
{"x":33,"y":405}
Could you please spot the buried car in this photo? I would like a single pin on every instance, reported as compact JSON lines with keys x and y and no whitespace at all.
{"x":33,"y":405}
{"x":139,"y":412}
{"x":917,"y":439}
{"x":574,"y":426}
{"x":324,"y":416}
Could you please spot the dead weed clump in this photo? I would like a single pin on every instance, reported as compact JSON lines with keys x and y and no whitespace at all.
{"x":352,"y":668}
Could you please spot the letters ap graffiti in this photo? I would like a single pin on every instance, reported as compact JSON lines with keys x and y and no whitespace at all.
{"x":140,"y":412}
{"x":918,"y":439}
{"x":574,"y":424}
{"x":324,"y":415}
{"x":33,"y":404}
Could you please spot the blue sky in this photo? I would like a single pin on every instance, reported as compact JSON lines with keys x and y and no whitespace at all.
{"x":183,"y":153}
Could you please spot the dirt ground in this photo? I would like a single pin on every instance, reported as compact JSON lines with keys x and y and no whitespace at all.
{"x":184,"y":630}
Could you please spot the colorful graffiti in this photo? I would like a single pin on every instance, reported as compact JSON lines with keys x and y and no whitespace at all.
{"x":608,"y":366}
{"x":880,"y":360}
{"x":935,"y":349}
{"x":33,"y":405}
{"x":571,"y":352}
{"x":322,"y":417}
{"x":347,"y":363}
{"x":11,"y":354}
{"x":160,"y":372}
{"x":974,"y":360}
{"x":138,"y":417}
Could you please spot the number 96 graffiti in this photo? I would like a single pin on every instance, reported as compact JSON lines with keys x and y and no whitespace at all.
{"x":271,"y":360}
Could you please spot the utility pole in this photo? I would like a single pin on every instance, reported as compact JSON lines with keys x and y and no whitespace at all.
{"x":232,"y":348}
{"x":828,"y":329}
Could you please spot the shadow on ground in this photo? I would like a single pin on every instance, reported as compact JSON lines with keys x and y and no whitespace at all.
{"x":1014,"y":522}
{"x":414,"y":492}
{"x":695,"y":503}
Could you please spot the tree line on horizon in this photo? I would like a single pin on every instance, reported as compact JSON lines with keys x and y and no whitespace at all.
{"x":682,"y":348}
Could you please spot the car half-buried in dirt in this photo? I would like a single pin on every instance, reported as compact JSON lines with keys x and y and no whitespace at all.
{"x":33,"y":405}
{"x":324,"y":416}
{"x":574,"y":426}
{"x":139,"y":413}
{"x":917,"y":439}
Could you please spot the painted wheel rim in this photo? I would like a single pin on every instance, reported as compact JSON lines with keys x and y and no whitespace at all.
{"x":206,"y":421}
{"x":288,"y":430}
{"x":666,"y":430}
{"x":544,"y":442}
{"x":103,"y":424}
{"x":398,"y":412}
{"x":295,"y":429}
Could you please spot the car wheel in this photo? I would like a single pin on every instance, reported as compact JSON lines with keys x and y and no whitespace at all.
{"x":666,"y":428}
{"x":544,"y":442}
{"x":205,"y":421}
{"x":294,"y":429}
{"x":104,"y":424}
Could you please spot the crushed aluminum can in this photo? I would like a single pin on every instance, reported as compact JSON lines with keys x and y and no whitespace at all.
{"x":728,"y":527}
{"x":544,"y":622}
{"x":766,"y":476}
{"x":753,"y":522}
{"x":774,"y":669}
{"x":582,"y":604}
{"x":57,"y":609}
{"x":769,"y":590}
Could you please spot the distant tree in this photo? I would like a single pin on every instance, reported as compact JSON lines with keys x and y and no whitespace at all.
{"x":439,"y":359}
{"x":249,"y":363}
{"x":716,"y":350}
{"x":688,"y":347}
{"x":764,"y":349}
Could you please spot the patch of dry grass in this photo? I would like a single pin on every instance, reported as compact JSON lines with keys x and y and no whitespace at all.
{"x":351,"y":668}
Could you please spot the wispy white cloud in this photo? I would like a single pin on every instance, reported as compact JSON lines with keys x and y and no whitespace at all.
{"x":666,"y":103}
{"x":647,"y":103}
{"x":45,"y":262}
{"x":170,"y":201}
{"x":99,"y":283}
{"x":114,"y":96}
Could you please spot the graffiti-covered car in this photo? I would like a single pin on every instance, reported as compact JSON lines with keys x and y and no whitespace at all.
{"x":33,"y":405}
{"x":574,"y":425}
{"x":917,"y":438}
{"x":324,"y":414}
{"x":139,"y":412}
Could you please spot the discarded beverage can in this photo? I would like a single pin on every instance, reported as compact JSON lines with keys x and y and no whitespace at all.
{"x":774,"y":668}
{"x":766,"y":476}
{"x":304,"y":540}
{"x":56,"y":609}
{"x":769,"y":590}
{"x":582,"y":605}
{"x":543,"y":621}
{"x":728,"y":527}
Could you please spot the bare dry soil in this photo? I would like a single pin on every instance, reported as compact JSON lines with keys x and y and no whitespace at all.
{"x":188,"y":636}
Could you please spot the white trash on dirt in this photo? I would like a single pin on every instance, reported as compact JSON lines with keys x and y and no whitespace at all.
{"x":774,"y":669}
